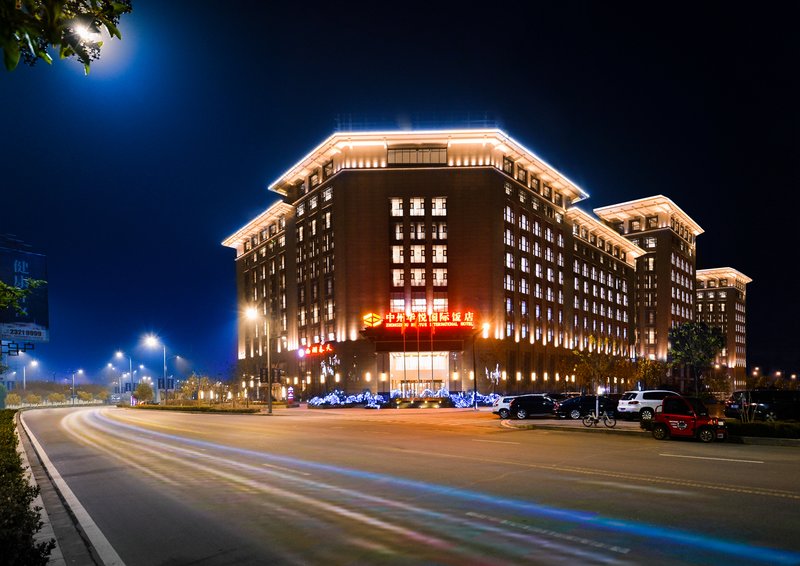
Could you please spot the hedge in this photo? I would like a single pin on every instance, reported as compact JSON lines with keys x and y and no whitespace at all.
{"x":770,"y":430}
{"x":19,"y":519}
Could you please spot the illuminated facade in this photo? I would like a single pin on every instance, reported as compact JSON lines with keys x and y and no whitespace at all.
{"x":379,"y":233}
{"x":721,"y":302}
{"x":665,"y":273}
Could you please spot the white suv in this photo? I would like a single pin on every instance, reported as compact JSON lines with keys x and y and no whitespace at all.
{"x":641,"y":403}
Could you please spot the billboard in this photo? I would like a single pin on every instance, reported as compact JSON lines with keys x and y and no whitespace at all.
{"x":16,"y":268}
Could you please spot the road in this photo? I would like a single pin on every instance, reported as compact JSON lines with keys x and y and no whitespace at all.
{"x":415,"y":487}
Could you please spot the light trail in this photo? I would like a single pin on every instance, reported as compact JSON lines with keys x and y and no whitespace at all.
{"x":455,"y":534}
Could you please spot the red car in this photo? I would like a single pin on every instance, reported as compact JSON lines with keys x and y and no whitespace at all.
{"x":687,"y":417}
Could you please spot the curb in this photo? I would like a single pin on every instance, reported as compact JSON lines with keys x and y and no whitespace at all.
{"x":46,"y":532}
{"x":100,"y":546}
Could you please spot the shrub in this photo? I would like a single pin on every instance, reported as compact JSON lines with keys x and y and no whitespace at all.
{"x":764,"y":429}
{"x":19,"y":520}
{"x":13,"y":399}
{"x":56,"y":398}
{"x":33,"y":399}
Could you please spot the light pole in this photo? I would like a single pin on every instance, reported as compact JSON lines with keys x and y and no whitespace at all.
{"x":80,"y":371}
{"x":34,"y":363}
{"x":152,"y":342}
{"x":485,"y":333}
{"x":130,"y":369}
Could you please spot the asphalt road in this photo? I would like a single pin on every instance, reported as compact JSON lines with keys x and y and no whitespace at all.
{"x":416,"y":487}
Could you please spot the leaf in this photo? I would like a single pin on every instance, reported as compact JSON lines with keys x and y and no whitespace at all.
{"x":11,"y":55}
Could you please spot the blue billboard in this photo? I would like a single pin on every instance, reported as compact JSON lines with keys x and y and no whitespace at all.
{"x":17,"y":267}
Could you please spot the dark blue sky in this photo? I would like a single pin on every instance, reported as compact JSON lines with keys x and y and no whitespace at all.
{"x":129,"y":179}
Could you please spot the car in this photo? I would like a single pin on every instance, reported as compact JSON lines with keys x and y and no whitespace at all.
{"x":579,"y":407}
{"x":502,"y":404}
{"x":686,"y":417}
{"x":764,"y":404}
{"x":641,"y":404}
{"x":536,"y":405}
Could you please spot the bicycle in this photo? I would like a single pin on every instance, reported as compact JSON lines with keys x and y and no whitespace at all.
{"x":592,"y":420}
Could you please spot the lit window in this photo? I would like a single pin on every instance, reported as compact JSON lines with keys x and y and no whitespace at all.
{"x":397,"y":207}
{"x":439,"y":206}
{"x":417,"y":206}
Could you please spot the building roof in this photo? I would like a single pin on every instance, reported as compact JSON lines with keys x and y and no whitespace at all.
{"x":722,"y":273}
{"x":594,"y":226}
{"x":644,"y":206}
{"x":260,"y":222}
{"x":500,"y":141}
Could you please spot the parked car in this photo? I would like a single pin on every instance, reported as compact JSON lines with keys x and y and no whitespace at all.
{"x":536,"y":405}
{"x":579,"y":407}
{"x":686,"y":417}
{"x":502,"y":405}
{"x":764,"y":404}
{"x":641,"y":403}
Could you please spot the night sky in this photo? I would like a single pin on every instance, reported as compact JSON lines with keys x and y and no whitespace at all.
{"x":129,"y":179}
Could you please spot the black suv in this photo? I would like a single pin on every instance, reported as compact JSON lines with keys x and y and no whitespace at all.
{"x":578,"y":407}
{"x":532,"y":406}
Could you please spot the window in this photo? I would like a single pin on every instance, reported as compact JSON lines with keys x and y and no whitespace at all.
{"x":418,"y":156}
{"x":522,"y":175}
{"x":397,"y":254}
{"x":327,"y":169}
{"x":314,"y":179}
{"x":635,"y":225}
{"x":417,"y":206}
{"x":313,"y":203}
{"x":523,"y":286}
{"x":397,"y":207}
{"x":440,"y":277}
{"x":523,"y":222}
{"x":398,"y":303}
{"x":508,"y":166}
{"x":508,"y":215}
{"x":417,"y":277}
{"x":509,"y":260}
{"x":650,"y":243}
{"x":417,"y":254}
{"x":547,"y":192}
{"x":651,"y":222}
{"x":508,"y":238}
{"x":524,"y":265}
{"x":439,"y":206}
{"x":398,"y":231}
{"x":439,"y":254}
{"x":327,"y":194}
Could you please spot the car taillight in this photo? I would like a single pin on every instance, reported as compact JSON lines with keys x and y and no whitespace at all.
{"x":633,"y":402}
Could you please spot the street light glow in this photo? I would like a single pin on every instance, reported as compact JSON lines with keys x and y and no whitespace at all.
{"x":251,"y":313}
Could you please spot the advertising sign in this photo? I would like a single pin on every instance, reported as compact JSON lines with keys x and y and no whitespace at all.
{"x":16,"y":268}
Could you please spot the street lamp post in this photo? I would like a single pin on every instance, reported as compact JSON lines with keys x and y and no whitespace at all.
{"x":34,"y":363}
{"x":152,"y":341}
{"x":130,"y":370}
{"x":73,"y":384}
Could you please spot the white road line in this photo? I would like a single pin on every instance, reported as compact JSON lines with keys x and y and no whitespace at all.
{"x":99,"y":541}
{"x":493,"y":441}
{"x":709,"y":458}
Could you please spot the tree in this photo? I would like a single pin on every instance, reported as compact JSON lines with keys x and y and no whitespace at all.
{"x":56,"y":398}
{"x":694,"y":345}
{"x":144,"y":392}
{"x":13,"y":400}
{"x":73,"y":27}
{"x":33,"y":399}
{"x":651,"y":373}
{"x":593,"y":364}
{"x":85,"y":396}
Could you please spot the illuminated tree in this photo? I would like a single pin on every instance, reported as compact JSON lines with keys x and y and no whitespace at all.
{"x":73,"y":27}
{"x":651,"y":373}
{"x":144,"y":392}
{"x":695,"y":345}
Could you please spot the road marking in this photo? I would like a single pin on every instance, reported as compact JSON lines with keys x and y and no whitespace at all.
{"x":634,"y":487}
{"x":286,"y":469}
{"x":710,"y":458}
{"x":493,"y":441}
{"x":104,"y":550}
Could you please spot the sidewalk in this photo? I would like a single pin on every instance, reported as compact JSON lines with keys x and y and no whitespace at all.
{"x":570,"y":425}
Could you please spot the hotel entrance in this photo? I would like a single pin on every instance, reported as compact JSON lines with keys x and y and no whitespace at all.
{"x":412,"y":373}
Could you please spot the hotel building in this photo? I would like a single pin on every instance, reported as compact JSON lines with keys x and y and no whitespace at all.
{"x":721,"y":302}
{"x":419,"y":260}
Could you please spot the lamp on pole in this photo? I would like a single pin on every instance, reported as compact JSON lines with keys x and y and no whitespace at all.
{"x":34,"y":363}
{"x":130,"y":369}
{"x":80,"y":371}
{"x":152,"y":342}
{"x":485,"y":333}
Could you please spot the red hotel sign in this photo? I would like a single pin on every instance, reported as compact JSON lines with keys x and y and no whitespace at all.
{"x":316,"y":349}
{"x":435,"y":320}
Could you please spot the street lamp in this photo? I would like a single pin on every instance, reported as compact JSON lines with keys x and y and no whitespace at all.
{"x":80,"y":371}
{"x":152,"y":342}
{"x":34,"y":363}
{"x":130,"y":369}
